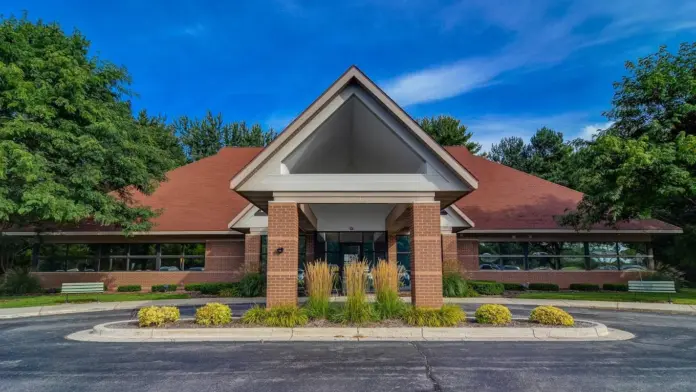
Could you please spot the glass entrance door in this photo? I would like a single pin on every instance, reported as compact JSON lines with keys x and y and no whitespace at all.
{"x":351,"y":252}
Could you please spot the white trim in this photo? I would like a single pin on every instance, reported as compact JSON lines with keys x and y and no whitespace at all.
{"x":241,"y":215}
{"x":118,"y":233}
{"x":461,"y":215}
{"x":569,"y":231}
{"x":354,"y":197}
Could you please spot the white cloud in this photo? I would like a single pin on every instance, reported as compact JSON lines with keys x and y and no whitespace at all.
{"x":538,"y":40}
{"x":591,"y":130}
{"x":194,"y":30}
{"x":279,"y":121}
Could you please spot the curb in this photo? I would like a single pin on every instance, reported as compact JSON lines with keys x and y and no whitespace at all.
{"x":103,"y":333}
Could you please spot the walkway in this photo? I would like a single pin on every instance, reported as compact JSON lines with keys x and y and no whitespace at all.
{"x":106,"y":306}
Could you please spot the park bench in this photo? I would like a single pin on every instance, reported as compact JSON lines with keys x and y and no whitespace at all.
{"x":81,"y":288}
{"x":652,"y":286}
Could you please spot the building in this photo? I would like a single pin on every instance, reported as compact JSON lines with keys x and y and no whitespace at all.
{"x":352,"y":177}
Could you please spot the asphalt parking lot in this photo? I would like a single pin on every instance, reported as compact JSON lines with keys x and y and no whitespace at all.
{"x":34,"y":356}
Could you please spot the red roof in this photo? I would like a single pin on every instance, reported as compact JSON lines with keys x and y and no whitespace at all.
{"x":197,"y":197}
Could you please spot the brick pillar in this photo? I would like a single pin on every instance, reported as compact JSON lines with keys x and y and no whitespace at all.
{"x":426,"y":255}
{"x":281,"y":269}
{"x":309,"y":247}
{"x":468,"y":255}
{"x":252,"y":253}
{"x":450,"y":261}
{"x":391,"y":246}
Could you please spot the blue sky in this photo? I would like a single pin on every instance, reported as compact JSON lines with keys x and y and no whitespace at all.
{"x":503,"y":67}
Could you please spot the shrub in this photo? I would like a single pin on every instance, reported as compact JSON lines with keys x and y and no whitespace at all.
{"x":253,"y":285}
{"x":161,"y":288}
{"x":287,"y":316}
{"x":317,"y":308}
{"x":230,"y":292}
{"x":385,"y":276}
{"x":255,"y":315}
{"x":389,"y":305}
{"x":446,"y":316}
{"x":215,"y":288}
{"x":151,"y":316}
{"x":551,"y":315}
{"x":20,"y":281}
{"x":493,"y":314}
{"x":171,"y":314}
{"x":193,"y":286}
{"x":355,"y":311}
{"x":454,"y":286}
{"x":213,"y":314}
{"x":615,"y":287}
{"x":318,"y":280}
{"x":584,"y":287}
{"x":543,"y":286}
{"x":514,"y":287}
{"x":129,"y":288}
{"x":487,"y":288}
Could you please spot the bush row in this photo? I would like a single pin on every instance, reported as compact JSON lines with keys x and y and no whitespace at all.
{"x":251,"y":285}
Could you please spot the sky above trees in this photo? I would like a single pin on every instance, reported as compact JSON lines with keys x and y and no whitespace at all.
{"x":502,"y":68}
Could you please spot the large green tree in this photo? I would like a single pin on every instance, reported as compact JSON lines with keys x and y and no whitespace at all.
{"x":448,"y":131}
{"x":206,"y":136}
{"x":70,"y":148}
{"x":644,"y":166}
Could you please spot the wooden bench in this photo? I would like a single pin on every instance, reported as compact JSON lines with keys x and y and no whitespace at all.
{"x":652,"y":286}
{"x":81,"y":288}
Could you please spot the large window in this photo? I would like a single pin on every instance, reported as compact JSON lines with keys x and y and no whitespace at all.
{"x":566,"y":256}
{"x":403,"y":251}
{"x":121,"y":257}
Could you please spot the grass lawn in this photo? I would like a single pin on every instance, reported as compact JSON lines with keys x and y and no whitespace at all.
{"x":57,"y":299}
{"x":685,"y":296}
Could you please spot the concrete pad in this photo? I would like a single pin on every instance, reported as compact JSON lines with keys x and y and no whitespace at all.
{"x":542,"y":333}
{"x":573,"y":333}
{"x":445,"y":333}
{"x":387,"y":333}
{"x":324,"y":333}
{"x":12,"y":313}
{"x":494,"y":333}
{"x":654,"y":307}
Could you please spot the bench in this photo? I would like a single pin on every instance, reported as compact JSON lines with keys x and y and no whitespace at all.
{"x":652,"y":286}
{"x":81,"y":288}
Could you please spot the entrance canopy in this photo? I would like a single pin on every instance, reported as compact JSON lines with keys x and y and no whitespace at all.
{"x":353,"y":145}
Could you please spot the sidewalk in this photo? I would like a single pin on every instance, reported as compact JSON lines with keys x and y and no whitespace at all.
{"x":12,"y":313}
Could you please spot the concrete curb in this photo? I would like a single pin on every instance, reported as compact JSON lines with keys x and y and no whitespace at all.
{"x":104,"y":333}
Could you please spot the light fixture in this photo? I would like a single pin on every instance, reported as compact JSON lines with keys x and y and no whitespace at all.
{"x":279,"y":250}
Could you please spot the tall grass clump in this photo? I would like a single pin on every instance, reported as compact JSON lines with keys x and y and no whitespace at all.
{"x":318,"y":284}
{"x":386,"y":281}
{"x":356,"y":310}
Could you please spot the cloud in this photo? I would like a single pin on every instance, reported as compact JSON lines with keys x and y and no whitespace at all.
{"x":279,"y":121}
{"x":591,"y":130}
{"x":538,"y":39}
{"x":194,"y":30}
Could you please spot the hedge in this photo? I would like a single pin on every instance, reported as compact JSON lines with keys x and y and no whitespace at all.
{"x":129,"y":288}
{"x":514,"y":287}
{"x":161,"y":288}
{"x":210,"y":288}
{"x":615,"y":287}
{"x":543,"y":286}
{"x":487,"y":288}
{"x":584,"y":287}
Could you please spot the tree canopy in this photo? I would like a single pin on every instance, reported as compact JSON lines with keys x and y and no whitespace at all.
{"x":70,"y":148}
{"x":448,"y":131}
{"x":205,"y":137}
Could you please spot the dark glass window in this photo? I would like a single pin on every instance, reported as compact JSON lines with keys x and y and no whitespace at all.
{"x":502,"y":256}
{"x":633,"y":256}
{"x":264,"y":252}
{"x":603,"y":256}
{"x":403,"y":251}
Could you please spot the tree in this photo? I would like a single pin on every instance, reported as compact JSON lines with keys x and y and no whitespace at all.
{"x":511,"y":151}
{"x":644,"y":166}
{"x":205,"y":137}
{"x":448,"y":131}
{"x":163,"y":136}
{"x":70,"y":149}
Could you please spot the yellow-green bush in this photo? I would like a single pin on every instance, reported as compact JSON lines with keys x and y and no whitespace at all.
{"x":493,"y":314}
{"x":151,"y":316}
{"x":446,"y":316}
{"x":213,"y":314}
{"x":287,"y":316}
{"x":171,"y":314}
{"x":551,"y":315}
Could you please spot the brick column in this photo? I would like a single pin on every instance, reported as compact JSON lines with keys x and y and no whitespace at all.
{"x":450,"y":261}
{"x":468,"y":256}
{"x":309,"y":247}
{"x":391,"y":246}
{"x":281,"y":269}
{"x":252,"y":253}
{"x":426,"y":255}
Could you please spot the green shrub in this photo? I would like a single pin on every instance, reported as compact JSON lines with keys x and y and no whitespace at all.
{"x":615,"y":287}
{"x":193,"y":286}
{"x":389,"y":305}
{"x":162,"y":288}
{"x":286,"y":316}
{"x":543,"y":286}
{"x":514,"y":287}
{"x":493,"y":314}
{"x":584,"y":287}
{"x":446,"y":316}
{"x":253,"y":285}
{"x":318,"y":308}
{"x":255,"y":315}
{"x":213,"y":314}
{"x":551,"y":315}
{"x":171,"y":314}
{"x":356,"y":310}
{"x":215,"y":288}
{"x":487,"y":288}
{"x":20,"y":281}
{"x":150,"y":316}
{"x":454,"y":286}
{"x":129,"y":288}
{"x":230,"y":292}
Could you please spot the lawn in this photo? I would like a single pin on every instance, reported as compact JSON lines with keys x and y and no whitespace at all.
{"x":685,"y":296}
{"x":57,"y":299}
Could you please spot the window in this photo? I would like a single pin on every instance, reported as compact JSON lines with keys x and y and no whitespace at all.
{"x":603,"y":256}
{"x":567,"y":256}
{"x":264,"y":252}
{"x":182,"y":257}
{"x":633,"y":256}
{"x":142,"y":257}
{"x":403,"y":251}
{"x":573,"y":256}
{"x":502,"y":256}
{"x":114,"y":258}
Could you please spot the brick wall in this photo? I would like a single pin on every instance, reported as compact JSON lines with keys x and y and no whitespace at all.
{"x":426,"y":255}
{"x":283,"y":232}
{"x":145,"y":279}
{"x":391,"y":246}
{"x":252,"y":253}
{"x":562,"y":278}
{"x":467,"y":254}
{"x":450,"y":258}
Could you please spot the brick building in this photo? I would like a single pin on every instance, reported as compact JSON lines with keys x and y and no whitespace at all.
{"x":352,"y":177}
